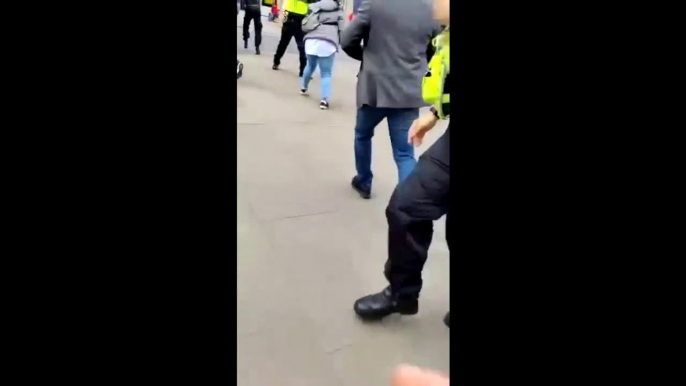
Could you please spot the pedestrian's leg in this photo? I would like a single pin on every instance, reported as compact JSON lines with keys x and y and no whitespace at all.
{"x":421,"y":199}
{"x":309,"y":70}
{"x":414,"y":205}
{"x":247,"y":16}
{"x":399,"y":123}
{"x":325,"y":69}
{"x":286,"y":35}
{"x":299,"y":35}
{"x":367,"y":119}
{"x":258,"y":33}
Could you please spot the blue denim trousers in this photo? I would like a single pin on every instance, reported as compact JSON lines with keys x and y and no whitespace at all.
{"x":399,"y":123}
{"x":325,"y":68}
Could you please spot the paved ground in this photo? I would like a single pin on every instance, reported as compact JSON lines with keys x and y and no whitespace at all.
{"x":308,"y":246}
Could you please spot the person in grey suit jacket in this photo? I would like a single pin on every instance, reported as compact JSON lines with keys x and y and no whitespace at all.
{"x":396,"y":35}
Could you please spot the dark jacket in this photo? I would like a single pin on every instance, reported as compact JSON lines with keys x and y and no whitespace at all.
{"x":253,"y":5}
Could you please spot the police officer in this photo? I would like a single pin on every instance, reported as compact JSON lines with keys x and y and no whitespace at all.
{"x":253,"y":11}
{"x":294,"y":13}
{"x":421,"y":199}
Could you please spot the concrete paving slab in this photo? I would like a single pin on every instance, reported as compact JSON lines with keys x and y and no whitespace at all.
{"x":308,"y":245}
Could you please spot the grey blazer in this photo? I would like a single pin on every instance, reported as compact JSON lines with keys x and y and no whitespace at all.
{"x":396,"y":35}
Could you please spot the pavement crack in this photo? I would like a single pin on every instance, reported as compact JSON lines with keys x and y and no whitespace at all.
{"x":338,"y":349}
{"x":307,"y":215}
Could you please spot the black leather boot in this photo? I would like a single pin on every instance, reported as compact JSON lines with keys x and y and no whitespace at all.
{"x":257,"y":50}
{"x":446,"y":320}
{"x":384,"y":303}
{"x":245,"y":43}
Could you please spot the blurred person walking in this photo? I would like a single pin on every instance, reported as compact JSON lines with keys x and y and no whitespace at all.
{"x":422,"y":198}
{"x":274,"y":13}
{"x":396,"y":34}
{"x":322,"y":29}
{"x":239,"y":65}
{"x":253,"y":12}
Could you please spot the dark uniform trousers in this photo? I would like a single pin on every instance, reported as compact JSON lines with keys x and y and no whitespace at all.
{"x":255,"y":15}
{"x":415,"y":204}
{"x":292,"y":28}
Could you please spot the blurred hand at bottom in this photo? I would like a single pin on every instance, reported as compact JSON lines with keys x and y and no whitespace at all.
{"x":414,"y":376}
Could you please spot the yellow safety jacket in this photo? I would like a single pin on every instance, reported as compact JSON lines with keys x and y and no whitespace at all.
{"x":435,"y":86}
{"x":295,"y":6}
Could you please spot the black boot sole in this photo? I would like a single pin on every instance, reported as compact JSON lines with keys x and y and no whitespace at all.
{"x":408,"y":308}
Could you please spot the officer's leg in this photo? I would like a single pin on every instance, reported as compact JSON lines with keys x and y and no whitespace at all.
{"x":299,"y":36}
{"x":414,"y":206}
{"x":421,"y":199}
{"x":247,"y":16}
{"x":258,"y":33}
{"x":286,"y":35}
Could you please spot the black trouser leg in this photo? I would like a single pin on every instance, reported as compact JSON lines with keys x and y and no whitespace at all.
{"x":286,"y":35}
{"x":246,"y":24}
{"x":415,"y":204}
{"x":299,"y":36}
{"x":258,"y":30}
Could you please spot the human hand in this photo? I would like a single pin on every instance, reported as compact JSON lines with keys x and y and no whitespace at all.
{"x":414,"y":376}
{"x":419,"y":127}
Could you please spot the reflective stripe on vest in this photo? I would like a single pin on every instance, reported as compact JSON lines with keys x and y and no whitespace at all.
{"x":434,"y":81}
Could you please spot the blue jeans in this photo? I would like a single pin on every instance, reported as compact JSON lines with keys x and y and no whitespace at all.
{"x":399,"y":122}
{"x":325,"y":69}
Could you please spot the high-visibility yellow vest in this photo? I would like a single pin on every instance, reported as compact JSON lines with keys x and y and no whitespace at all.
{"x":433,"y":85}
{"x":295,"y":6}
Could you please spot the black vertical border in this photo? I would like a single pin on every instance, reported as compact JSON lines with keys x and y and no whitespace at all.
{"x":139,"y":185}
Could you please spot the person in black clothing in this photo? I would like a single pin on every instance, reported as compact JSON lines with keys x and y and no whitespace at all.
{"x":418,"y":201}
{"x":253,"y":11}
{"x":415,"y":204}
{"x":239,"y":65}
{"x":292,"y":28}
